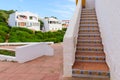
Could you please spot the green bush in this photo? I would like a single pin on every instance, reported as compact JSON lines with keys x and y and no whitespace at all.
{"x":9,"y":53}
{"x":15,"y":29}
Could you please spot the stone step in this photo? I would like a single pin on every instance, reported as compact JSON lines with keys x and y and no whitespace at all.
{"x":90,"y":69}
{"x":89,"y":54}
{"x":87,"y":20}
{"x":89,"y":35}
{"x":96,"y":50}
{"x":89,"y":27}
{"x":88,"y":11}
{"x":90,"y":48}
{"x":88,"y":16}
{"x":88,"y":24}
{"x":83,"y":13}
{"x":90,"y":58}
{"x":89,"y":42}
{"x":89,"y":38}
{"x":90,"y":31}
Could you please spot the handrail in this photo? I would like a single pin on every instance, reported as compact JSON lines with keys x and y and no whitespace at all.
{"x":70,"y":41}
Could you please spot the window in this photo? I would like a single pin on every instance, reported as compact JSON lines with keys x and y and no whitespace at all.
{"x":31,"y":18}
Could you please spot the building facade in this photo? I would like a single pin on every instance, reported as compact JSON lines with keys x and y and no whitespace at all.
{"x":52,"y":24}
{"x":65,"y":23}
{"x":24,"y":19}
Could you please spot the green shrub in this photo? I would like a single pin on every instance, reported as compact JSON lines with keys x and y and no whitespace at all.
{"x":15,"y":29}
{"x":9,"y":53}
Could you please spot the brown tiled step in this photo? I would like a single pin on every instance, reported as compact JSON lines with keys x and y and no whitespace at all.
{"x":89,"y":44}
{"x":88,"y":13}
{"x":90,"y":58}
{"x":89,"y":54}
{"x":90,"y":69}
{"x":88,"y":24}
{"x":90,"y":48}
{"x":89,"y":32}
{"x":88,"y":16}
{"x":85,"y":19}
{"x":89,"y":27}
{"x":89,"y":35}
{"x":89,"y":41}
{"x":89,"y":38}
{"x":81,"y":28}
{"x":88,"y":9}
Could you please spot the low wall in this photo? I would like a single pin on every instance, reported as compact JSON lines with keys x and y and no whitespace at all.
{"x":108,"y":13}
{"x":30,"y":52}
{"x":70,"y":41}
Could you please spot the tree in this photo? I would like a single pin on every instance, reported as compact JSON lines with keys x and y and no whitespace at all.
{"x":41,"y":24}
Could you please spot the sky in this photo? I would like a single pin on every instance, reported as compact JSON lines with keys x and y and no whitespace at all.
{"x":62,"y":9}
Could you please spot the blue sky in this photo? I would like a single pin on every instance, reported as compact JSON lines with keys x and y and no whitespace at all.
{"x":62,"y":9}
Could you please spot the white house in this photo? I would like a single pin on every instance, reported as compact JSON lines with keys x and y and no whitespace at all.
{"x":65,"y":23}
{"x":24,"y":19}
{"x":52,"y":24}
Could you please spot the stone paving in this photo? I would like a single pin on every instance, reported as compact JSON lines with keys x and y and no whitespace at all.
{"x":43,"y":68}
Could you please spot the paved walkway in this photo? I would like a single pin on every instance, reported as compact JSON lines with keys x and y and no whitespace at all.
{"x":43,"y":68}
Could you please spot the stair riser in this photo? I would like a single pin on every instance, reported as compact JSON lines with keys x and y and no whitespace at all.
{"x":88,"y":45}
{"x":88,"y":35}
{"x":88,"y":23}
{"x":90,"y":38}
{"x":89,"y":32}
{"x":90,"y":59}
{"x":96,"y":74}
{"x":90,"y":49}
{"x":89,"y":76}
{"x":89,"y":20}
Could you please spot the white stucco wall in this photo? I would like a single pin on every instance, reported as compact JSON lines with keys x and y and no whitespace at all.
{"x":11,"y":20}
{"x":55,"y":26}
{"x":33,"y":51}
{"x":70,"y":41}
{"x":90,"y":4}
{"x":108,"y":13}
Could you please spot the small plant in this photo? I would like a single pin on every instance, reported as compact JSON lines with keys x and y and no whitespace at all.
{"x":8,"y":53}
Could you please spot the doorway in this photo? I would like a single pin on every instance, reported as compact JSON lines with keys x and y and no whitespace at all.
{"x":83,"y":3}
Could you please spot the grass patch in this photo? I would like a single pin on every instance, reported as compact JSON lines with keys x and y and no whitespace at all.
{"x":8,"y":53}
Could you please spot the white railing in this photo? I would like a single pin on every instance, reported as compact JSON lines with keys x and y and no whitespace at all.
{"x":70,"y":41}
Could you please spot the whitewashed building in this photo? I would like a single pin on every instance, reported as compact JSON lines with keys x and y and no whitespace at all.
{"x":24,"y":19}
{"x":52,"y":24}
{"x":65,"y":23}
